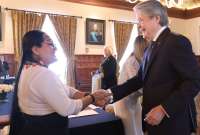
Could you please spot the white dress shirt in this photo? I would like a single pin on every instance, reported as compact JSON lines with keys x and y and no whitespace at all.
{"x":40,"y":92}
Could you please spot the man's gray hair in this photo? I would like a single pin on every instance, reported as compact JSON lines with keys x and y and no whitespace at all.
{"x":153,"y":8}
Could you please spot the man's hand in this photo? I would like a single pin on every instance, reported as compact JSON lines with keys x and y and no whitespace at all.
{"x":155,"y":116}
{"x":102,"y":97}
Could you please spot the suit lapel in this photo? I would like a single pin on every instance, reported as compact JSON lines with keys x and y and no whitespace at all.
{"x":158,"y":44}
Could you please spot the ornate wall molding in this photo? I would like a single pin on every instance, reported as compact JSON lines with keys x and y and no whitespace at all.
{"x":121,"y":4}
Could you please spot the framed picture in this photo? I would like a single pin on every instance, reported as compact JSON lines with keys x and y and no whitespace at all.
{"x":95,"y":31}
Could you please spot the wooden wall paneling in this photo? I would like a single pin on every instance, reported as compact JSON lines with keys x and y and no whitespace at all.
{"x":176,"y":13}
{"x":84,"y":65}
{"x":192,"y":13}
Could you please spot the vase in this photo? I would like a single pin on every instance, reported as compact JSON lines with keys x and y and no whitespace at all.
{"x":3,"y":96}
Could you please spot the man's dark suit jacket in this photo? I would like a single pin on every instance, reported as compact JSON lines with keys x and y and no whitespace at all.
{"x":172,"y":80}
{"x":109,"y":69}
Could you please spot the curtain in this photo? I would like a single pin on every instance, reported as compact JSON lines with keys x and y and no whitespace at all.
{"x":23,"y":22}
{"x":122,"y":35}
{"x":66,"y":30}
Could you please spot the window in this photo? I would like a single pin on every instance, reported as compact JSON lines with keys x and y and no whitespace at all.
{"x":129,"y":48}
{"x":59,"y":66}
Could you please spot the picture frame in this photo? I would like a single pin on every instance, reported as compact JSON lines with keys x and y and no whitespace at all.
{"x":95,"y":31}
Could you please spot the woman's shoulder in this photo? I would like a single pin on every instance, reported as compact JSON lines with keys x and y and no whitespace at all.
{"x":46,"y":75}
{"x":40,"y":71}
{"x":131,"y":61}
{"x":131,"y":58}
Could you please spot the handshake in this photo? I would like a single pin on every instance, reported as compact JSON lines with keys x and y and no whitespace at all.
{"x":101,"y":97}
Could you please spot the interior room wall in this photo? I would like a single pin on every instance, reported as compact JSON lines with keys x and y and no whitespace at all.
{"x":87,"y":11}
{"x":189,"y":28}
{"x":192,"y":31}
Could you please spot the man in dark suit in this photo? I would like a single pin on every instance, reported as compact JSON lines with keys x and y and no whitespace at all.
{"x":169,"y":75}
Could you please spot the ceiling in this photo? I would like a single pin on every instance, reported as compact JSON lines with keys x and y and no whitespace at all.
{"x":189,"y":8}
{"x":189,"y":4}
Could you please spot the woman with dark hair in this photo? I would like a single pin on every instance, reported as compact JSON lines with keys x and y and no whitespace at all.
{"x":41,"y":102}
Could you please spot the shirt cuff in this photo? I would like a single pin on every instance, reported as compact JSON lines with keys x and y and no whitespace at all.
{"x":111,"y":97}
{"x":164,"y":111}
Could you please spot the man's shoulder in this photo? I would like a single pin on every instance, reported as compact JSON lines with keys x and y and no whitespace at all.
{"x":177,"y":39}
{"x":179,"y":36}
